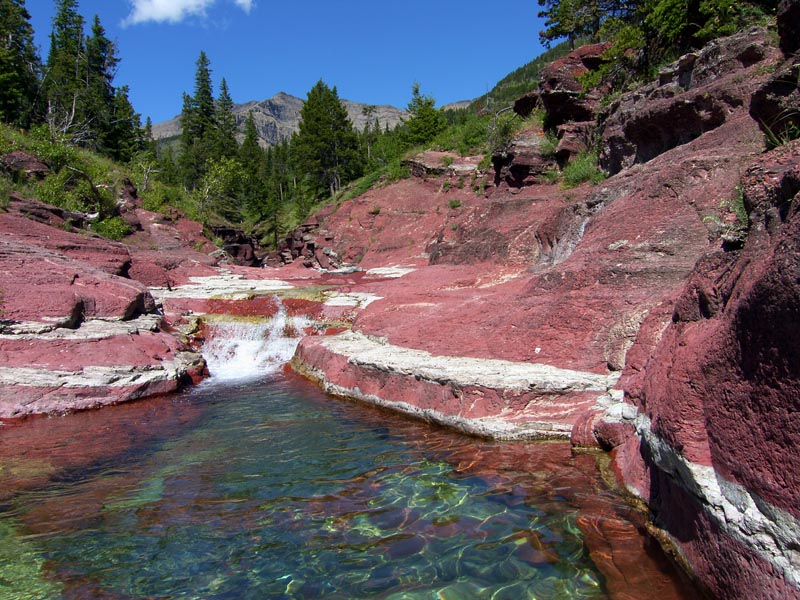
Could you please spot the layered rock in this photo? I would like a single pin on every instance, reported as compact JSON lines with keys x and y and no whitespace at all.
{"x":561,"y":90}
{"x":76,"y":332}
{"x":716,"y":388}
{"x":595,"y":281}
{"x":523,"y":161}
{"x":693,"y":96}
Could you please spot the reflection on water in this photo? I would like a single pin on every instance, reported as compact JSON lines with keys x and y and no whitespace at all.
{"x":270,"y":490}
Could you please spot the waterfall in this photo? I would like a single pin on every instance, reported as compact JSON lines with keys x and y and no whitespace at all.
{"x":239,"y":349}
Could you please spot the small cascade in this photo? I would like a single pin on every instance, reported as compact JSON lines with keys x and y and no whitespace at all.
{"x":240,"y":349}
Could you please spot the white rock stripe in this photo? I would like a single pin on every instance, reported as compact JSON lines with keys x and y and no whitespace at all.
{"x":766,"y":530}
{"x":220,"y":286}
{"x":92,"y":376}
{"x":93,"y":329}
{"x":375,"y":353}
{"x":487,"y":427}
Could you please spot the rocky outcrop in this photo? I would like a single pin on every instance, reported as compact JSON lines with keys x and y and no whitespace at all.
{"x":483,"y":397}
{"x":561,"y":91}
{"x":694,"y":95}
{"x":775,"y":105}
{"x":239,"y":247}
{"x":632,"y":277}
{"x":523,"y":161}
{"x":714,"y":389}
{"x":18,"y":164}
{"x":75,"y":331}
{"x":789,"y":26}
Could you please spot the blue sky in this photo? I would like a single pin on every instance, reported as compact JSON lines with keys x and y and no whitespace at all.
{"x":372,"y":51}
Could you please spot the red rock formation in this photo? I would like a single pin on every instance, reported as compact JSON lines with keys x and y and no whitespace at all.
{"x":696,"y":94}
{"x":717,"y":398}
{"x":76,"y":332}
{"x":561,"y":92}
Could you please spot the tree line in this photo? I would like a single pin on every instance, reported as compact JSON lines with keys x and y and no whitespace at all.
{"x":268,"y":190}
{"x":71,"y":93}
{"x":212,"y":172}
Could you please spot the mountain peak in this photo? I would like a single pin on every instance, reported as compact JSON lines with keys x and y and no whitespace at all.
{"x":278,"y":117}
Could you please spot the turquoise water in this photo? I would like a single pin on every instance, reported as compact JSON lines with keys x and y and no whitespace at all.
{"x":271,"y":490}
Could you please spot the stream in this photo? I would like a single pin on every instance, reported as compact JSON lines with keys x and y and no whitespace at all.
{"x":256,"y":485}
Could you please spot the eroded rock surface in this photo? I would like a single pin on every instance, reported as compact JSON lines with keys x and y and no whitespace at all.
{"x":75,"y":331}
{"x":695,"y":95}
{"x":716,"y":389}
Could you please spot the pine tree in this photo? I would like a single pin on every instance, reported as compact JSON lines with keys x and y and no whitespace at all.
{"x":63,"y":82}
{"x":124,"y":136}
{"x":326,"y":146}
{"x":19,"y":64}
{"x":426,"y":120}
{"x":100,"y":99}
{"x":224,"y":144}
{"x":197,"y":122}
{"x":569,"y":19}
{"x":250,"y":153}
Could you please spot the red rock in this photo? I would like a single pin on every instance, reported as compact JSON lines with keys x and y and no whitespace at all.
{"x":18,"y":163}
{"x":716,"y":84}
{"x":95,"y":251}
{"x":561,"y":92}
{"x":720,"y":387}
{"x":57,"y":287}
{"x":789,"y":26}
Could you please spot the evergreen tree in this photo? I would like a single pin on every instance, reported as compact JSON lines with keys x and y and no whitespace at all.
{"x":326,"y":147}
{"x":63,"y":83}
{"x":198,"y":117}
{"x":197,"y":121}
{"x":255,"y":198}
{"x":250,"y":153}
{"x":426,"y":120}
{"x":19,"y":64}
{"x":99,"y":97}
{"x":570,"y":19}
{"x":124,"y":136}
{"x":224,"y":143}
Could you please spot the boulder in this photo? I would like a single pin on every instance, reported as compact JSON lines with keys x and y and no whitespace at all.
{"x":522,"y":162}
{"x":525,"y":105}
{"x":574,"y":138}
{"x":561,"y":92}
{"x":776,"y":104}
{"x":19,"y":164}
{"x":239,"y":247}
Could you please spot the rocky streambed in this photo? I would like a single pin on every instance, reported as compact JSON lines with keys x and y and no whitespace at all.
{"x":643,"y":316}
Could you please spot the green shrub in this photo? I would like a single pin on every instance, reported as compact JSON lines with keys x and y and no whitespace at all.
{"x":455,"y":203}
{"x":583,"y":167}
{"x":56,"y":153}
{"x":549,"y":144}
{"x":502,"y":130}
{"x":5,"y":189}
{"x":114,"y":228}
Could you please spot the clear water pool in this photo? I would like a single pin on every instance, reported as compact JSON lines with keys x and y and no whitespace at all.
{"x":269,"y":489}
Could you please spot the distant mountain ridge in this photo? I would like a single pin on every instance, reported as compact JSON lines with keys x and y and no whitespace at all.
{"x":277,"y":118}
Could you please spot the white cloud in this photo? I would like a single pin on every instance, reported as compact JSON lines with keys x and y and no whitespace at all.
{"x":245,"y":5}
{"x":173,"y":11}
